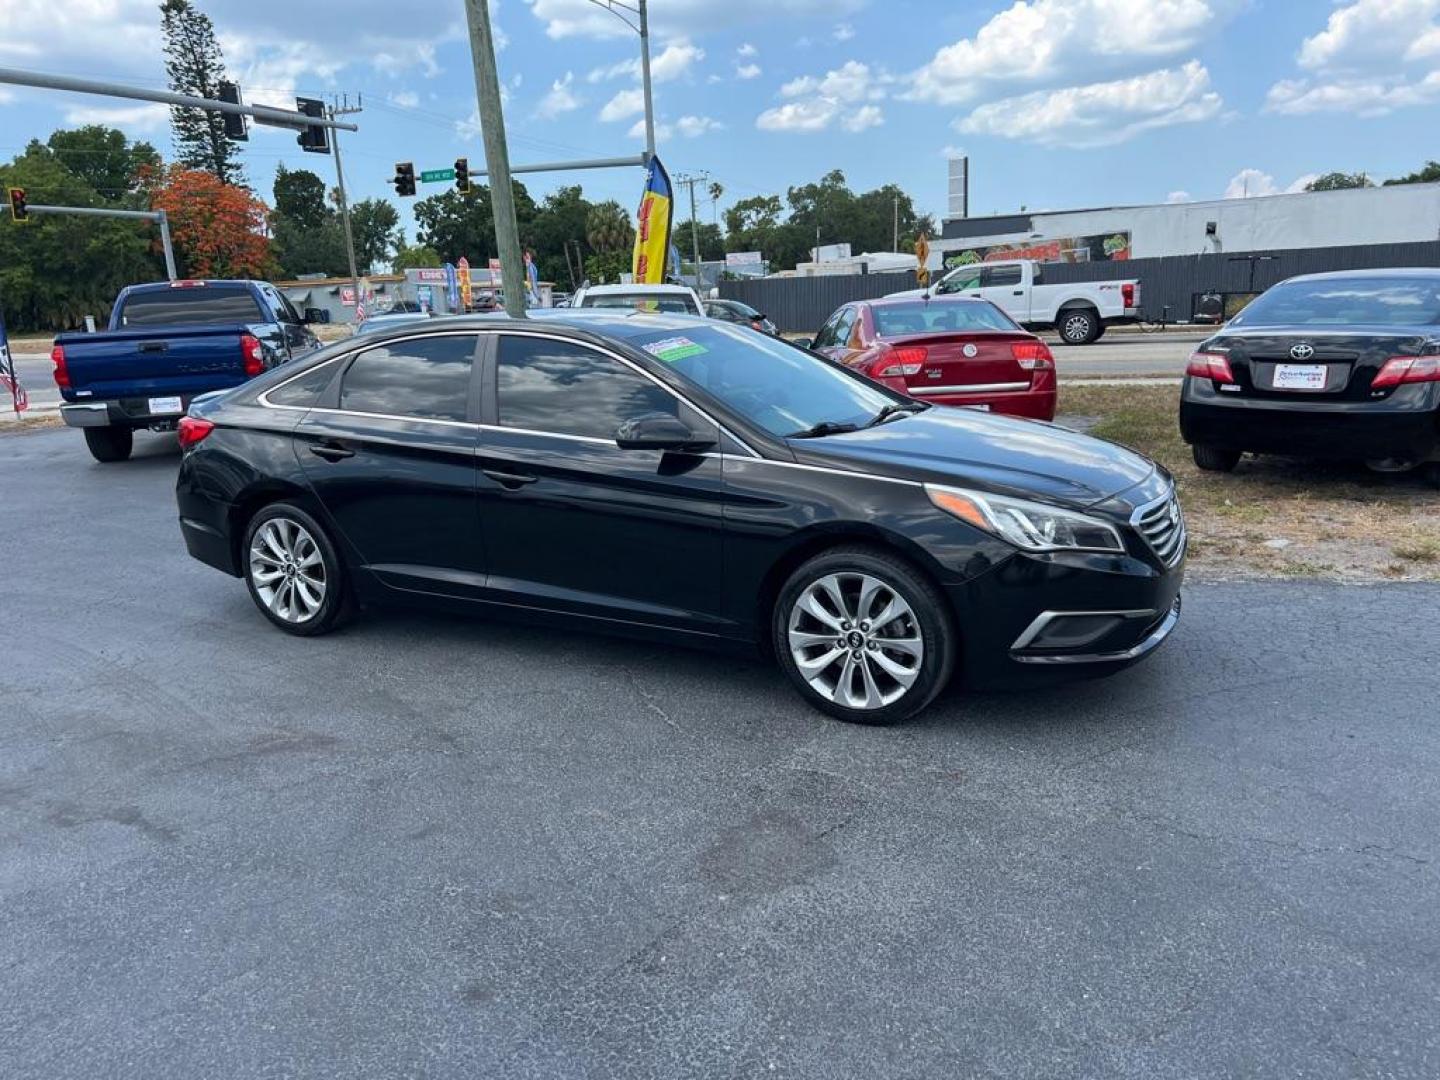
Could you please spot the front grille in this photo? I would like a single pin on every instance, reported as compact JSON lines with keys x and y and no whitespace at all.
{"x":1163,"y":526}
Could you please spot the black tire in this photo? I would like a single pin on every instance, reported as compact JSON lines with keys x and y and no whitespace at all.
{"x":295,"y":615}
{"x":1079,"y":326}
{"x":927,"y":621}
{"x":1215,"y":459}
{"x":109,"y":443}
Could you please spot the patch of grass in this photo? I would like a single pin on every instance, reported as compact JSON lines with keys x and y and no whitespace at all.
{"x":1338,"y":519}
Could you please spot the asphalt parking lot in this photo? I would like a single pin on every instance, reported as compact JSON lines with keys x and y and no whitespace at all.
{"x":435,"y":847}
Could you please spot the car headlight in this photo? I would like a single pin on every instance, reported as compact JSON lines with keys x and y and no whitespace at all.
{"x":1028,"y":525}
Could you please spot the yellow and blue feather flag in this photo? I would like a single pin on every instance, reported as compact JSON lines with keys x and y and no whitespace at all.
{"x":652,"y":233}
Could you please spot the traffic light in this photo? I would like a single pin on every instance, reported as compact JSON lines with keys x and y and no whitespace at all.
{"x":18,"y":210}
{"x":404,"y":178}
{"x":314,"y":139}
{"x":462,"y":175}
{"x":234,"y":122}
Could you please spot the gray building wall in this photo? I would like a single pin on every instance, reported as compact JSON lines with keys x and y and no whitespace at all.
{"x":803,"y":304}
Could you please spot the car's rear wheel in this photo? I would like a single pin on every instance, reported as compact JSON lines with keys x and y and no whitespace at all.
{"x":863,"y":636}
{"x":109,"y":443}
{"x":1079,"y":326}
{"x":1215,"y":458}
{"x":293,"y":571}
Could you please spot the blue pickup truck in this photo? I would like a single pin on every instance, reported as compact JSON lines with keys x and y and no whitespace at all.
{"x":169,"y":342}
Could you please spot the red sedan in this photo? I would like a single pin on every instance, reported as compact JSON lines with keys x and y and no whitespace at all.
{"x":949,"y":350}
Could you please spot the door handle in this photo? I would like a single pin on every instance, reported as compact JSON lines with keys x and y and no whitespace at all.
{"x":331,"y":451}
{"x":509,"y":481}
{"x":1018,"y":292}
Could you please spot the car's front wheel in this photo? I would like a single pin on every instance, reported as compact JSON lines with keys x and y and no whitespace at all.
{"x":863,"y":635}
{"x":293,"y":571}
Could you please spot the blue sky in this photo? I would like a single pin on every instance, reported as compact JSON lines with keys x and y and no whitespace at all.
{"x":1059,"y":103}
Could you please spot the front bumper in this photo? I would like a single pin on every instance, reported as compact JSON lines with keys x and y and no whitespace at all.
{"x":1039,"y":617}
{"x":1404,"y":426}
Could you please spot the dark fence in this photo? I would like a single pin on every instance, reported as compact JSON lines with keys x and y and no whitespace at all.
{"x":1173,"y":281}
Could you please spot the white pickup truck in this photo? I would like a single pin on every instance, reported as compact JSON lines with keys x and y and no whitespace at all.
{"x":1079,"y":311}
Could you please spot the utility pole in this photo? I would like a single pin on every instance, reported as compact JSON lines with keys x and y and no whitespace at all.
{"x":690,"y":180}
{"x":338,"y":109}
{"x":896,"y":245}
{"x":497,"y":157}
{"x":645,"y":82}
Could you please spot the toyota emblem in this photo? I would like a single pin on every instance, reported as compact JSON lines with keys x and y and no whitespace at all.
{"x":970,"y":350}
{"x":1302,"y":351}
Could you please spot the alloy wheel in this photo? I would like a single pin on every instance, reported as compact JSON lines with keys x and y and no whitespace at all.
{"x":855,"y":640}
{"x":288,"y":570}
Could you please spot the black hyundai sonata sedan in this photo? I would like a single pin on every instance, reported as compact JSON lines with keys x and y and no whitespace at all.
{"x":682,"y":478}
{"x":1342,"y":365}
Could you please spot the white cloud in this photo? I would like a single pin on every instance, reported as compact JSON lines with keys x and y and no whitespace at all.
{"x":866,"y":116}
{"x":663,"y":131}
{"x":1179,"y":197}
{"x":581,"y":18}
{"x":625,"y":103}
{"x":1052,"y":42}
{"x":1371,"y":57}
{"x":405,"y":99}
{"x":834,"y":97}
{"x":693,"y":127}
{"x":469,"y":129}
{"x":561,"y":99}
{"x":949,"y":151}
{"x":125,"y":117}
{"x":673,"y":61}
{"x":843,"y":32}
{"x":747,"y":50}
{"x":1251,"y":183}
{"x":747,"y":71}
{"x":1100,"y":114}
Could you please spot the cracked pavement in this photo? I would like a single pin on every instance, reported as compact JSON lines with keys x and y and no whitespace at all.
{"x":427,"y":846}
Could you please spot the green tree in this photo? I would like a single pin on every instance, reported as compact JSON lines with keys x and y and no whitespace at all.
{"x":1338,"y":181}
{"x":195,"y":65}
{"x":375,"y":226}
{"x":455,"y":224}
{"x":104,"y":159}
{"x":559,"y":220}
{"x":1430,"y":174}
{"x":606,"y":266}
{"x":56,"y":269}
{"x":712,"y":241}
{"x":418,"y":257}
{"x":316,"y":250}
{"x":300,"y":196}
{"x":608,"y":229}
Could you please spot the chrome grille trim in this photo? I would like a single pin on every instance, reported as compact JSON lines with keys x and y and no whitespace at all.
{"x":1166,"y":538}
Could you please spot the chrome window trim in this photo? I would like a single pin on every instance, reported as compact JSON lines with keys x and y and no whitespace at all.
{"x":972,"y":388}
{"x":263,"y":399}
{"x":840,"y":472}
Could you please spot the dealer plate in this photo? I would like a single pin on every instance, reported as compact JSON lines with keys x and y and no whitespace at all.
{"x":1299,"y":376}
{"x":165,"y":406}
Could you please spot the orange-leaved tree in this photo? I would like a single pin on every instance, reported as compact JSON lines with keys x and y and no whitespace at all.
{"x":218,"y":229}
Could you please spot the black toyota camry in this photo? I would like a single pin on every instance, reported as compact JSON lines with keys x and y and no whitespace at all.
{"x":1343,"y":365}
{"x":689,"y":480}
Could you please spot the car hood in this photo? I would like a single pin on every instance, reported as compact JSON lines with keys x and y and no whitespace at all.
{"x":1026,"y":459}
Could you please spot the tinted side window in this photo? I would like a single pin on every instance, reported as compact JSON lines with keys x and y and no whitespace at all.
{"x":826,"y":336}
{"x":426,"y":377}
{"x":556,"y":386}
{"x":965,"y":279}
{"x":191,"y":306}
{"x":304,"y":390}
{"x":845,"y":325}
{"x":1000,"y":275}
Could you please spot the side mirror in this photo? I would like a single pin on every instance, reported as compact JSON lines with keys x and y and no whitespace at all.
{"x":660,"y":431}
{"x":803,"y":342}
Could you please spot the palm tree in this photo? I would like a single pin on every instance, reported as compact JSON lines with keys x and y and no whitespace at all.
{"x":608,"y":228}
{"x":716,"y":190}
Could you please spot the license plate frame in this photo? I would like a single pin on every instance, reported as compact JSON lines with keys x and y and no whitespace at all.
{"x":165,"y":406}
{"x":1305,"y":377}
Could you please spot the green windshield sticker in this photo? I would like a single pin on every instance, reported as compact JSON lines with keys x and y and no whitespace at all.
{"x":674,"y":348}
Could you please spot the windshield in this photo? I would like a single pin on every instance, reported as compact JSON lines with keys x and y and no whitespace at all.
{"x":194,"y":305}
{"x":775,"y":386}
{"x":938,"y":317}
{"x":674,"y":303}
{"x":1386,"y":301}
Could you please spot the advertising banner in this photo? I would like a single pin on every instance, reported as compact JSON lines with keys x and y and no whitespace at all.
{"x":1098,"y":248}
{"x":652,"y":233}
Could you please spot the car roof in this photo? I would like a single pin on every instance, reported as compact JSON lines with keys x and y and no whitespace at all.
{"x":639,"y":287}
{"x":889,"y":301}
{"x":1376,"y":272}
{"x":580,"y":323}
